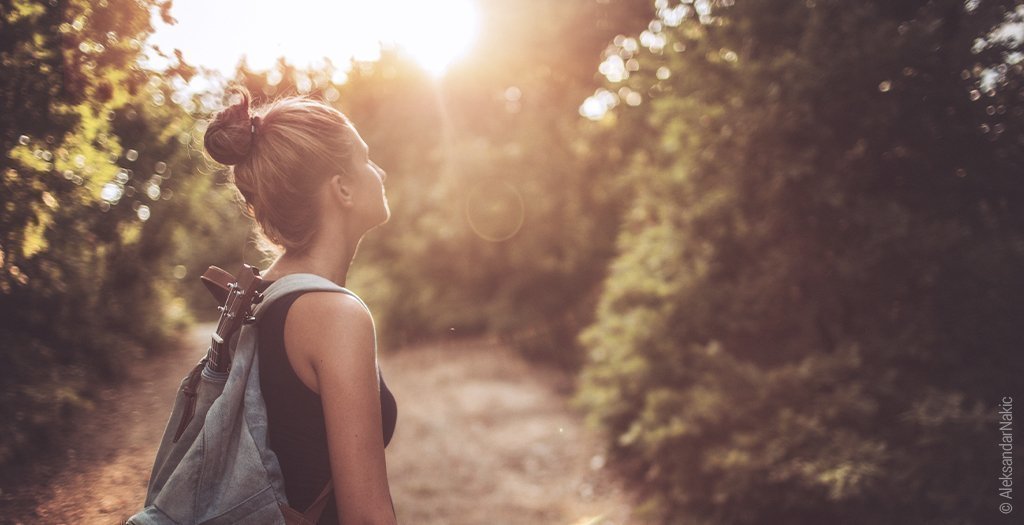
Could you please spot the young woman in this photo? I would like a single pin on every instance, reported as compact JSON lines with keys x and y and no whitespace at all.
{"x":305,"y":175}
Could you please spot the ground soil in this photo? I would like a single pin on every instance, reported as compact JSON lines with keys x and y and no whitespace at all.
{"x":483,"y":437}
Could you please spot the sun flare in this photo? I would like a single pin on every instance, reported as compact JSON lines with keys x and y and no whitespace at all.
{"x":434,"y":33}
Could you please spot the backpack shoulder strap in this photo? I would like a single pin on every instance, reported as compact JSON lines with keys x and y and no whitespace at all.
{"x":316,"y":509}
{"x":311,"y":283}
{"x":295,"y":282}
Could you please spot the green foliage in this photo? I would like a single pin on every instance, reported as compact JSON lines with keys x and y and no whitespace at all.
{"x":811,"y":315}
{"x":96,"y":186}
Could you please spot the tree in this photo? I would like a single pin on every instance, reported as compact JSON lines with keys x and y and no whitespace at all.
{"x":503,"y":218}
{"x":96,"y":183}
{"x":810,"y":318}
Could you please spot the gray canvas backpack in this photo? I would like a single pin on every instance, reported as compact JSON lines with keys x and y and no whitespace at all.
{"x":214,"y":465}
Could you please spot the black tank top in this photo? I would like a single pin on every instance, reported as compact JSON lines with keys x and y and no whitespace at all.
{"x":295,"y":419}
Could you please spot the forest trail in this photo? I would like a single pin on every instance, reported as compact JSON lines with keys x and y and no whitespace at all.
{"x":482,"y":437}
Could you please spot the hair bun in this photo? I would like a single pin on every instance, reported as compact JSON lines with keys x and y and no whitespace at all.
{"x":228,"y":139}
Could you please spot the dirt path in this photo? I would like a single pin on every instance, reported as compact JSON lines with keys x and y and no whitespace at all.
{"x":482,"y":438}
{"x":101,"y":475}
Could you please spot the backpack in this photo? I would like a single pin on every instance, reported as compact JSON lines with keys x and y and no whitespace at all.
{"x":214,"y":465}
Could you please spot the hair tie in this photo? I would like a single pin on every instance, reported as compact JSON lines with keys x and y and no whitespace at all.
{"x":254,"y":124}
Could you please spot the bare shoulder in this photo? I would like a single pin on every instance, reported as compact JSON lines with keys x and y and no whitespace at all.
{"x":330,"y":308}
{"x":328,"y":327}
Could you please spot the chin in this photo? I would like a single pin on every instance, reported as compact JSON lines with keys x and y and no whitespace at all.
{"x":383,"y":220}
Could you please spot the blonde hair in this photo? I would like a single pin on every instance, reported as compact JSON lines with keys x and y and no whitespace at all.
{"x":279,"y":155}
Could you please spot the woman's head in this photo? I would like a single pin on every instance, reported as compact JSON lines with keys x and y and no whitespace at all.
{"x":283,"y":155}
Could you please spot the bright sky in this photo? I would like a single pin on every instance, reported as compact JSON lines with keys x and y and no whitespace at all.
{"x":216,"y":33}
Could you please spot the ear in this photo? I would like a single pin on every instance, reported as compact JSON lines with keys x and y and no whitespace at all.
{"x":341,"y":189}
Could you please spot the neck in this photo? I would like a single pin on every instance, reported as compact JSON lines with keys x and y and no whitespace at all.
{"x":330,"y":260}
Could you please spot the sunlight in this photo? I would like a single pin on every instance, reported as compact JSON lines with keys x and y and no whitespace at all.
{"x":436,"y":33}
{"x":218,"y":34}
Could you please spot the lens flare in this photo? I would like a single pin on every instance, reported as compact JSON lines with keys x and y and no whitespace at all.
{"x":495,"y":210}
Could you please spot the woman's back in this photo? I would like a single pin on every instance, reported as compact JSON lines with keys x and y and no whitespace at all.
{"x":295,"y":415}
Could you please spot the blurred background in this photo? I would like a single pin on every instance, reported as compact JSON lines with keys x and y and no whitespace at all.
{"x":776,"y":244}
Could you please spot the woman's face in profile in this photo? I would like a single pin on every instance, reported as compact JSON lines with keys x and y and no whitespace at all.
{"x":373,"y":203}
